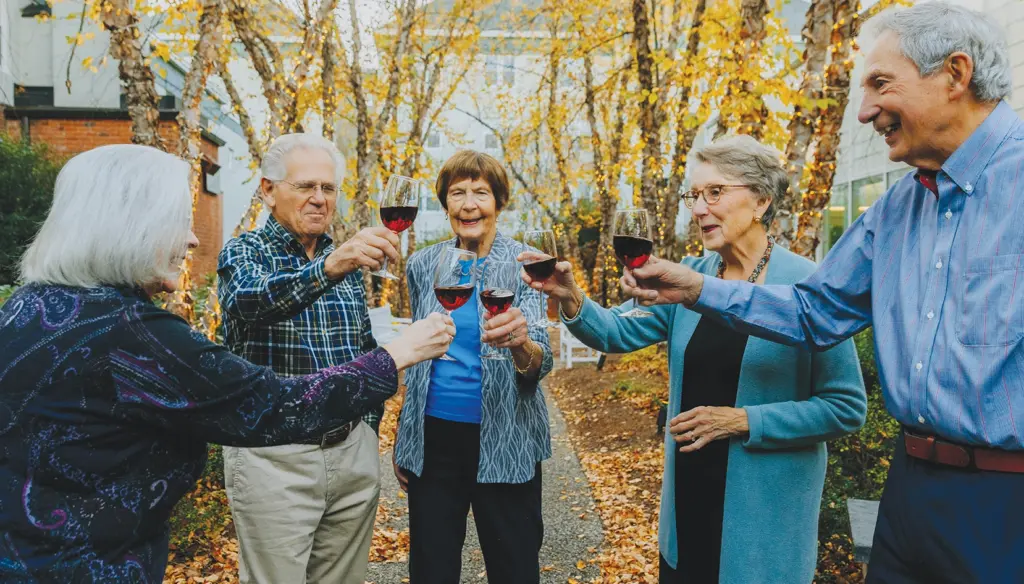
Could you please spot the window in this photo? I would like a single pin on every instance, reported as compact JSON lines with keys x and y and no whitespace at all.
{"x":499,"y":68}
{"x":491,"y":141}
{"x":430,"y":204}
{"x":433,"y":140}
{"x":893,"y":176}
{"x":836,"y":215}
{"x":571,"y":73}
{"x":865,"y":192}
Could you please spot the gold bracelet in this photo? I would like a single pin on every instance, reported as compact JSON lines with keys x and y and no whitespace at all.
{"x":528,"y":364}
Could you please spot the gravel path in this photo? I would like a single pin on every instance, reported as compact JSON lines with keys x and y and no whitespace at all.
{"x":571,"y":527}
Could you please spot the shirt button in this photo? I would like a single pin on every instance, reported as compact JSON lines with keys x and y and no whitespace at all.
{"x":931,"y":315}
{"x":918,"y":365}
{"x":938,"y":265}
{"x":949,"y":214}
{"x":920,"y":419}
{"x":969,"y":188}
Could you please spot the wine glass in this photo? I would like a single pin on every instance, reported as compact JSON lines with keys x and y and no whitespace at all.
{"x":454,"y":281}
{"x":498,"y":282}
{"x":399,"y":203}
{"x":633,"y":243}
{"x":542,"y":240}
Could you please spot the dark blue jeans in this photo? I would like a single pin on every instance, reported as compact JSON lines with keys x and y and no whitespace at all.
{"x":944,"y":525}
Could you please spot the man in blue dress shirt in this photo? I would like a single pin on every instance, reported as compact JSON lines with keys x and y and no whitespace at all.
{"x":936,"y":266}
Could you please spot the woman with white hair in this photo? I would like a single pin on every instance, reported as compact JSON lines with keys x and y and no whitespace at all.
{"x":107,"y":402}
{"x":740,"y":498}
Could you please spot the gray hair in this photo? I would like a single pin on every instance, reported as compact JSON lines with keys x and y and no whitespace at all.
{"x":274,"y":165}
{"x":120,"y":216}
{"x":930,"y":32}
{"x":752,"y":163}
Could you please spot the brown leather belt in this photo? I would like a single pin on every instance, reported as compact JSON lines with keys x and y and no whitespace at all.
{"x":333,"y":437}
{"x":937,"y":450}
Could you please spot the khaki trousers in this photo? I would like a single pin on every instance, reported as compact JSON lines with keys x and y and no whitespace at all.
{"x":304,"y":513}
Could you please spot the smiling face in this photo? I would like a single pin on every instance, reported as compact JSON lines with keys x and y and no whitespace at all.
{"x":171,"y":285}
{"x":472,"y":209}
{"x":733,"y":216}
{"x":908,"y":110}
{"x":307,"y":215}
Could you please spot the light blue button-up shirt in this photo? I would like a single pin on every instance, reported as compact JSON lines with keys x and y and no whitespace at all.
{"x":941,"y":279}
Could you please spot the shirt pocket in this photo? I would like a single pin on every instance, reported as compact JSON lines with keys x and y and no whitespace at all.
{"x":990,"y":315}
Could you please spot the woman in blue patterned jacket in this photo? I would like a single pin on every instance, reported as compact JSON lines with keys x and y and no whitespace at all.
{"x":107,"y":402}
{"x":473,"y":431}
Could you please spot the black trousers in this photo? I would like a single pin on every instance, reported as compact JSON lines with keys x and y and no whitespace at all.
{"x":943,"y":525}
{"x":507,"y":516}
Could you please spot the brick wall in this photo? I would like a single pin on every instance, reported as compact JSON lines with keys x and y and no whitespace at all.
{"x":67,"y":137}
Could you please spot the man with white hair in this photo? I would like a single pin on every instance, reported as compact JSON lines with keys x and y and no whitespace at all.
{"x":935,"y":267}
{"x":295,"y":303}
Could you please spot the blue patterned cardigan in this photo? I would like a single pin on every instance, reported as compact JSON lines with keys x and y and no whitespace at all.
{"x":514,"y":433}
{"x":107,"y":404}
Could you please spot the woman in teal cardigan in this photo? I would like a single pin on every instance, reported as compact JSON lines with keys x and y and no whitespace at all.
{"x":740,"y":498}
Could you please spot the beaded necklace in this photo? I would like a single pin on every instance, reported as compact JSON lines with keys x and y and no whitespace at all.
{"x":760,"y":265}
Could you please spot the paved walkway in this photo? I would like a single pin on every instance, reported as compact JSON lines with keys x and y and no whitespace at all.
{"x":571,"y":527}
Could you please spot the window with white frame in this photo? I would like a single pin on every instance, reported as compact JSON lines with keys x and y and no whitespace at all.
{"x":571,"y":73}
{"x":837,"y":215}
{"x":865,"y":192}
{"x":490,"y":141}
{"x":893,"y":176}
{"x":500,"y":69}
{"x":433,"y":140}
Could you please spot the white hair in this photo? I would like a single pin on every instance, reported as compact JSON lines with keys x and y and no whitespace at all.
{"x":929,"y":32}
{"x":120,"y":216}
{"x":754,"y":164}
{"x":274,"y":161}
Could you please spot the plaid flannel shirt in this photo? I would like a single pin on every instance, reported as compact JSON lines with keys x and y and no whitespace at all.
{"x":282,"y":311}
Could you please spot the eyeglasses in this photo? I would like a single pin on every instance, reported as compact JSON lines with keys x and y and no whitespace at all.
{"x":712,"y":194}
{"x":305,"y":188}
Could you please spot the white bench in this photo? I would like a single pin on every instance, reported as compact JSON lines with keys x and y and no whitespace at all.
{"x":573,"y":350}
{"x":386,"y":326}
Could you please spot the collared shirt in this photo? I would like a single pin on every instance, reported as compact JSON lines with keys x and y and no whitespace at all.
{"x":941,"y":280}
{"x":514,"y":432}
{"x":106,"y":407}
{"x":282,"y":311}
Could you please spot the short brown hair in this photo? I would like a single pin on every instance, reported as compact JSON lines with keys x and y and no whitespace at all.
{"x":474,"y":166}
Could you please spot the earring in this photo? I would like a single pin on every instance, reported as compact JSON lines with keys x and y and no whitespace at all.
{"x":757,"y":220}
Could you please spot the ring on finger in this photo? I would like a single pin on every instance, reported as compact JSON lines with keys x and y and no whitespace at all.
{"x":511,"y":337}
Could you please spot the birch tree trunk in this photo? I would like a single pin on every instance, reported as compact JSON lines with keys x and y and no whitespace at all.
{"x":827,"y":133}
{"x":816,"y":34}
{"x":204,"y":58}
{"x":119,"y":18}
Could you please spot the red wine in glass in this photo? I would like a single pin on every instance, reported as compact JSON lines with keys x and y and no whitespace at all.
{"x":633,"y":241}
{"x":398,"y":219}
{"x":540,"y":270}
{"x":633,"y":252}
{"x":453,"y":297}
{"x":497,"y":300}
{"x":398,"y":204}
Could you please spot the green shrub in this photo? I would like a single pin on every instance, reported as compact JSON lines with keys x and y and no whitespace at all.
{"x":202,"y":515}
{"x":27,"y":175}
{"x":5,"y":292}
{"x":857,"y":467}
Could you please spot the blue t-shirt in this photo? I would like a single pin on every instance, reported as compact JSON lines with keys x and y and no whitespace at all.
{"x":454,"y":391}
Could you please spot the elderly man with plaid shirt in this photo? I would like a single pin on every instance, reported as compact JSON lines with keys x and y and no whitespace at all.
{"x":295,"y":303}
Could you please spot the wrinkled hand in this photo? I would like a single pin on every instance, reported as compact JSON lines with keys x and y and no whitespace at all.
{"x":703,"y":424}
{"x":498,"y":327}
{"x":424,"y":339}
{"x":366,"y":249}
{"x":662,"y":282}
{"x":560,"y":285}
